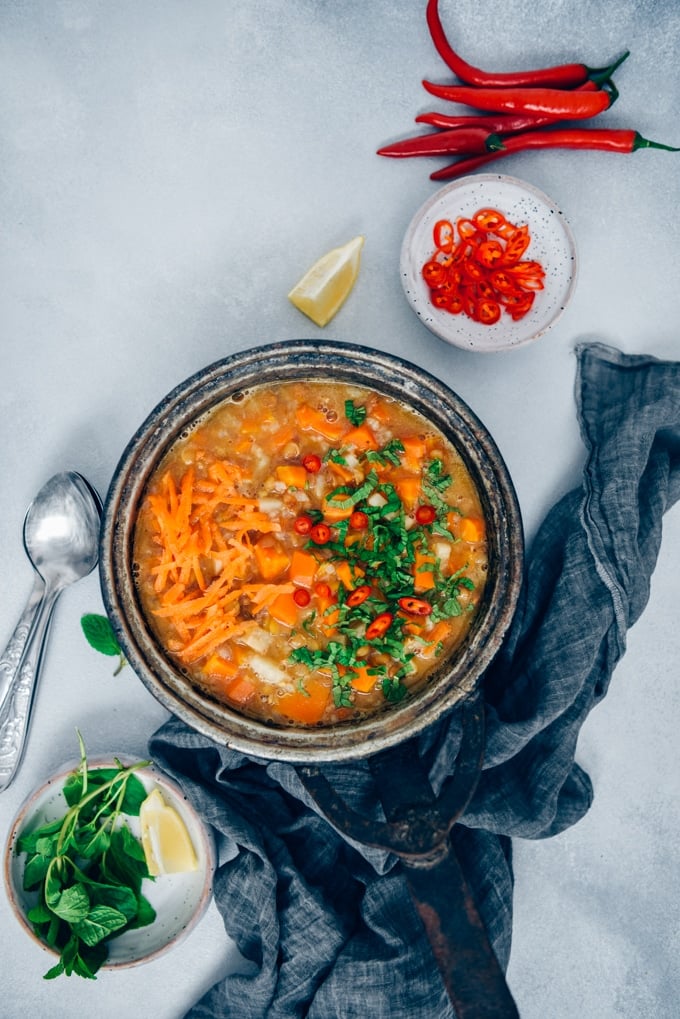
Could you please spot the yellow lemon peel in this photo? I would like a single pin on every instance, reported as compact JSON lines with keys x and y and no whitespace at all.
{"x":165,"y":839}
{"x":325,"y":287}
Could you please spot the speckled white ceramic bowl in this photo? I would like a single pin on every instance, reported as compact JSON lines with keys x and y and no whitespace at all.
{"x":178,"y":899}
{"x":552,"y":244}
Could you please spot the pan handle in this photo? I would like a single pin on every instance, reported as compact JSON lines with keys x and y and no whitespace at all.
{"x":417,"y":829}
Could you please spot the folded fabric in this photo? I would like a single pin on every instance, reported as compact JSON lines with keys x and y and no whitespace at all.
{"x":328,"y":925}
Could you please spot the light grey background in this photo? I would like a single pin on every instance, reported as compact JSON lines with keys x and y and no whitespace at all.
{"x":168,"y":170}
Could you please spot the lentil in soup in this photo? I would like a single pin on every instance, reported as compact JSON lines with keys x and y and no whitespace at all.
{"x":309,"y":551}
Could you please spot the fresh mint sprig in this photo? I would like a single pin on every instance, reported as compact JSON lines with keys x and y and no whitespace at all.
{"x":87,"y":868}
{"x":100,"y":635}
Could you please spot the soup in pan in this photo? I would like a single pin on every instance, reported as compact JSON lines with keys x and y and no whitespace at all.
{"x":308,"y":552}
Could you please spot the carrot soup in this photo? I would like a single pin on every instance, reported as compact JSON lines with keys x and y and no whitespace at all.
{"x":308,"y":552}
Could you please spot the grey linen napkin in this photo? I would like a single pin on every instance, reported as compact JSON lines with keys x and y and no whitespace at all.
{"x":328,"y":925}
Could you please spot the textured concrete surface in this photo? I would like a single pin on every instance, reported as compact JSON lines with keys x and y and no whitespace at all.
{"x":169,"y":170}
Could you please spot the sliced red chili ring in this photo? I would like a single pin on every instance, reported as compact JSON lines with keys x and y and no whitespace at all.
{"x":472,"y":271}
{"x":358,"y":521}
{"x":530,"y":282}
{"x":520,"y":309}
{"x":426,"y":514}
{"x":489,"y":253}
{"x":303,"y":524}
{"x":433,"y":273}
{"x":488,"y":312}
{"x":466,"y":228}
{"x":311,"y":463}
{"x":322,"y":589}
{"x":502,"y":281}
{"x":379,"y":626}
{"x":484,"y":289}
{"x":443,"y":234}
{"x":358,"y":596}
{"x":526,"y":269}
{"x":302,"y":597}
{"x":415,"y":606}
{"x":488,"y":219}
{"x":320,"y":534}
{"x":516,"y":246}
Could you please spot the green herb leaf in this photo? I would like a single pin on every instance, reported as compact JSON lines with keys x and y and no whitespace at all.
{"x":100,"y":635}
{"x":100,"y":923}
{"x":355,"y":415}
{"x":88,"y":868}
{"x":72,"y":904}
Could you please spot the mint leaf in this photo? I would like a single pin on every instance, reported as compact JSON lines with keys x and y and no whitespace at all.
{"x":100,"y":923}
{"x":72,"y":904}
{"x":355,"y":415}
{"x":100,"y":635}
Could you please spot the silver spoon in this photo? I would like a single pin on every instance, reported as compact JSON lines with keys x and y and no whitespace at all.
{"x":61,"y":537}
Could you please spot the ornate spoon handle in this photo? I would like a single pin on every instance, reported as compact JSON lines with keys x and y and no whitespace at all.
{"x":19,"y":670}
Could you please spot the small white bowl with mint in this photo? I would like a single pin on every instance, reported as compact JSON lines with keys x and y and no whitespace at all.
{"x":107,"y":865}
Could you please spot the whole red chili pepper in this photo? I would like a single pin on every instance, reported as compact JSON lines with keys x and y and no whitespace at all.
{"x":561,"y":76}
{"x":437,"y":143}
{"x":500,"y":123}
{"x":609,"y":140}
{"x":549,"y":102}
{"x":494,"y":124}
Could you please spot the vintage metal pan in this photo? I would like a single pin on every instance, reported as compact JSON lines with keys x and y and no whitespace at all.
{"x":417,"y":825}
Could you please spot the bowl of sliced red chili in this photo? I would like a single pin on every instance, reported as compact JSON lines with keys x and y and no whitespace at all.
{"x":489,"y":263}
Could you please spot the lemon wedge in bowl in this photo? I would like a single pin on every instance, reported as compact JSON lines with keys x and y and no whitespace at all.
{"x":325,"y":287}
{"x":165,"y":839}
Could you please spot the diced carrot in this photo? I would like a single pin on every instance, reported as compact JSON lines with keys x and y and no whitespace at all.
{"x":423,"y":572}
{"x":312,"y":420}
{"x":471,"y":529}
{"x":303,"y":567}
{"x":362,"y":437}
{"x":240,"y":689}
{"x":292,"y":475}
{"x":341,"y":472}
{"x":414,"y":451}
{"x":439,"y":632}
{"x":345,"y":574}
{"x":284,"y":609}
{"x":271,"y":558}
{"x":306,"y":706}
{"x":362,"y":680}
{"x":216,"y":665}
{"x":408,"y":488}
{"x":333,"y":512}
{"x":328,"y":621}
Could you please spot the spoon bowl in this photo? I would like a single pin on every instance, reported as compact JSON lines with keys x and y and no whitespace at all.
{"x":61,"y":535}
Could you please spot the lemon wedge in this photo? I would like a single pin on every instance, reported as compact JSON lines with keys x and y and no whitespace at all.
{"x":324,"y":287}
{"x":166,"y":842}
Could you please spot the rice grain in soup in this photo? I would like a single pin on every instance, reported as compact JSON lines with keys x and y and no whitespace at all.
{"x":308,"y":552}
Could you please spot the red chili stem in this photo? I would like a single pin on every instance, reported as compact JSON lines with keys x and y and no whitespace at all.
{"x":611,"y":140}
{"x":473,"y":140}
{"x":546,"y":102}
{"x":560,"y":76}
